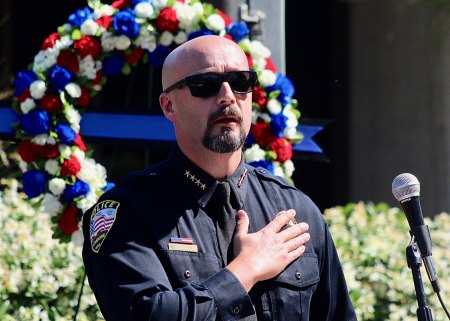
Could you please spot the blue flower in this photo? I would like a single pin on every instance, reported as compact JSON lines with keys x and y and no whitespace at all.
{"x":249,"y":141}
{"x":108,"y":186}
{"x":23,"y":80}
{"x":113,"y":65}
{"x":65,"y":133}
{"x":79,"y":188}
{"x":80,"y":16}
{"x":199,"y":33}
{"x":34,"y":182}
{"x":278,"y":123}
{"x":35,"y":122}
{"x":135,"y":2}
{"x":60,"y":77}
{"x":157,"y":56}
{"x":238,"y":30}
{"x":262,"y":163}
{"x":285,"y":86}
{"x":124,"y":23}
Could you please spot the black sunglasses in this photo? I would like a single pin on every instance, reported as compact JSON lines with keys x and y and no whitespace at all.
{"x":208,"y":84}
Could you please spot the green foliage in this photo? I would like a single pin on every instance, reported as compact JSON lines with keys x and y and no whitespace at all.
{"x":371,"y":240}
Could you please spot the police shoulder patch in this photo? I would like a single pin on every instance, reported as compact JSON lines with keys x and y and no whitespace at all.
{"x":102,"y":218}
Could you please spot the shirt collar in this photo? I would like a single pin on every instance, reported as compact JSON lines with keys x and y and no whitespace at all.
{"x":198,"y":184}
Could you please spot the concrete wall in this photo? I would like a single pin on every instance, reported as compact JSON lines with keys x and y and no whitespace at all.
{"x":399,"y":100}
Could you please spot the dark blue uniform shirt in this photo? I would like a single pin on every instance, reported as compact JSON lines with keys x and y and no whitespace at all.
{"x":136,"y":275}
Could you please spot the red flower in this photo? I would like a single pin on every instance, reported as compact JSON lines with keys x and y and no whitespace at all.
{"x":135,"y":55}
{"x":283,"y":148}
{"x":28,"y":151}
{"x":68,"y":222}
{"x":70,"y":167}
{"x":84,"y":99}
{"x":167,"y":20}
{"x":50,"y":103}
{"x":48,"y":151}
{"x":88,"y":45}
{"x":228,"y":36}
{"x":225,"y":17}
{"x":50,"y":41}
{"x":120,"y":4}
{"x":262,"y":134}
{"x":68,"y":60}
{"x":79,"y":143}
{"x":24,"y":95}
{"x":259,"y":97}
{"x":105,"y":21}
{"x":270,"y":65}
{"x":97,"y":79}
{"x":250,"y":61}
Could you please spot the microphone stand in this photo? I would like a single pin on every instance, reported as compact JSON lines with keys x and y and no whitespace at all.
{"x":414,"y":260}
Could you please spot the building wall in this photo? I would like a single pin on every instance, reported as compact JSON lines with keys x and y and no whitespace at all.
{"x":399,"y":100}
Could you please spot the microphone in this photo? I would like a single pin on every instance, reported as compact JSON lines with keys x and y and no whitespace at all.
{"x":406,"y":189}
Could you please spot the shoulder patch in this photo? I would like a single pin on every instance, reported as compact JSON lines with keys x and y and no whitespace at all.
{"x":102,"y":219}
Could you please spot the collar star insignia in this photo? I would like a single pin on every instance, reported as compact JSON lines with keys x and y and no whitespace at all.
{"x":194,"y":179}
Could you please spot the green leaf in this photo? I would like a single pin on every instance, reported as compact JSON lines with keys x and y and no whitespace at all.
{"x":170,"y":3}
{"x":271,"y":155}
{"x":126,"y":69}
{"x":94,"y":4}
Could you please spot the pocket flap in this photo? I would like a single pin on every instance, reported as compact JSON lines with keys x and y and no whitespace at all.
{"x":302,"y":272}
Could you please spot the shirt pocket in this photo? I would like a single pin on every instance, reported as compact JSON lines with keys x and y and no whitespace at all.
{"x":291,"y":291}
{"x":186,"y":267}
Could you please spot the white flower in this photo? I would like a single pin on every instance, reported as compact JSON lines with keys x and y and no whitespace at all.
{"x":122,"y":42}
{"x":180,"y":38}
{"x":292,"y":120}
{"x":73,"y":90}
{"x":40,"y":139}
{"x":105,"y":10}
{"x":56,"y":186}
{"x":277,"y":169}
{"x":79,"y":154}
{"x":77,"y":238}
{"x":186,"y":15}
{"x":290,"y":132}
{"x":254,"y":154}
{"x":143,"y":10}
{"x":146,"y":41}
{"x":87,"y":202}
{"x":89,"y":67}
{"x":27,"y":105}
{"x":258,"y":50}
{"x":37,"y":89}
{"x":74,"y":118}
{"x":274,"y":106}
{"x":160,"y":4}
{"x":166,"y":38}
{"x":52,"y":205}
{"x":44,"y":60}
{"x":215,"y":22}
{"x":51,"y":166}
{"x":107,"y":41}
{"x":288,"y":168}
{"x":89,"y":27}
{"x":267,"y":78}
{"x":65,"y":151}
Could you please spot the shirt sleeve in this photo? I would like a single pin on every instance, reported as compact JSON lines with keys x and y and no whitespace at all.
{"x":130,"y":283}
{"x":331,"y":300}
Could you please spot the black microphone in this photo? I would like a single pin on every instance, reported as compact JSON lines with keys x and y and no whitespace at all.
{"x":406,"y":189}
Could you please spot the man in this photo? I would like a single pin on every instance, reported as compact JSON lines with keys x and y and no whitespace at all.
{"x":158,"y":246}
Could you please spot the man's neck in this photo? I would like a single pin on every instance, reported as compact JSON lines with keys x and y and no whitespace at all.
{"x":220,"y":166}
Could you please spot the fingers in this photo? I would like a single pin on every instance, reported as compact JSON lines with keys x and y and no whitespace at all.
{"x":242,"y":223}
{"x":293,"y":231}
{"x":298,"y":242}
{"x":281,"y":220}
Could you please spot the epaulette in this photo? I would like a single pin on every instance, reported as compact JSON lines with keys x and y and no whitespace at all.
{"x":264,"y":174}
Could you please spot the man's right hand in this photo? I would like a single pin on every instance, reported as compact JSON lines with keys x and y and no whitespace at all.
{"x":263,"y":255}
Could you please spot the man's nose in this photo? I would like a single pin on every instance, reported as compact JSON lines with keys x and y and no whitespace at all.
{"x":225,"y":95}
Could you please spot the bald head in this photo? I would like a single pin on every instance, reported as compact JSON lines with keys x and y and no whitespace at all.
{"x":202,"y":54}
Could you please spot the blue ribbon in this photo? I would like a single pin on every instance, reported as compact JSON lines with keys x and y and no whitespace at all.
{"x":141,"y":128}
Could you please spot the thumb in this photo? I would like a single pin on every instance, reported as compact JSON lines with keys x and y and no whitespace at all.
{"x":242,"y":223}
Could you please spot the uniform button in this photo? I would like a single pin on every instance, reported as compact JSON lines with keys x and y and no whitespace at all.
{"x":187,"y":274}
{"x":236,"y":310}
{"x":262,"y":171}
{"x":298,"y":275}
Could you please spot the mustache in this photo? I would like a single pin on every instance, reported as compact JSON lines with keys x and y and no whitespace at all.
{"x":229,"y":111}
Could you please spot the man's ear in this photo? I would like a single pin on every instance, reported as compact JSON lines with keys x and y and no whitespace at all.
{"x":165,"y":102}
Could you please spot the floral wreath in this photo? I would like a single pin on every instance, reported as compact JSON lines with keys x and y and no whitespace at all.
{"x":104,"y":40}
